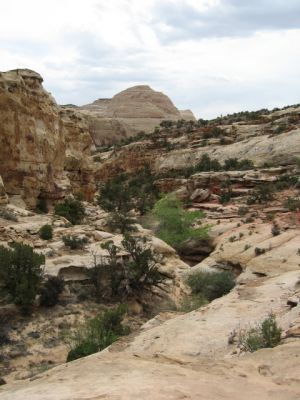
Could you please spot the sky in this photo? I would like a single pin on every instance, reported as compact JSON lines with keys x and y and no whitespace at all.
{"x":212,"y":56}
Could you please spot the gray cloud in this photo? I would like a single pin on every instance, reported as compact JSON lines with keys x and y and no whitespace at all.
{"x":229,"y":18}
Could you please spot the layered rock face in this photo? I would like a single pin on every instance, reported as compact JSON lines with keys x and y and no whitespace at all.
{"x":36,"y":142}
{"x":133,"y":110}
{"x":32,"y":142}
{"x":78,"y":162}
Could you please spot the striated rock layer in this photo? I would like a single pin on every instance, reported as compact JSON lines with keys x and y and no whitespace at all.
{"x":136,"y":109}
{"x":36,"y":142}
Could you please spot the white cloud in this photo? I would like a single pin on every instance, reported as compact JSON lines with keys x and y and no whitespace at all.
{"x":87,"y":49}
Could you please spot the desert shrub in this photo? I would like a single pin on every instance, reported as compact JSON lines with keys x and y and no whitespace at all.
{"x":261,"y":194}
{"x":73,"y":242}
{"x":167,"y":124}
{"x":286,"y":182}
{"x":208,"y":164}
{"x":211,"y":285}
{"x":233,"y":164}
{"x":226,"y":195}
{"x":97,"y":333}
{"x":46,"y":232}
{"x":242,"y":211}
{"x":259,"y":251}
{"x":71,"y":209}
{"x":265,"y":335}
{"x":50,"y":291}
{"x":21,"y":273}
{"x":275,"y":229}
{"x":175,"y":223}
{"x":293,"y":204}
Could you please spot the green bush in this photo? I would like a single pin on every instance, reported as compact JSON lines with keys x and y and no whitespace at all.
{"x":208,"y":164}
{"x":175,"y":223}
{"x":71,"y":209}
{"x":73,"y":242}
{"x":46,"y":232}
{"x":233,"y":164}
{"x":21,"y":273}
{"x":265,"y":335}
{"x":211,"y":285}
{"x":126,"y":192}
{"x":97,"y":333}
{"x":50,"y":291}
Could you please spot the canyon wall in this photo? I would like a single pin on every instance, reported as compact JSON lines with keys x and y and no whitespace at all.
{"x":37,"y":141}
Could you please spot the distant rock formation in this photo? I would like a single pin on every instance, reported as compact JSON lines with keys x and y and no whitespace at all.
{"x":136,"y":109}
{"x":35,"y":145}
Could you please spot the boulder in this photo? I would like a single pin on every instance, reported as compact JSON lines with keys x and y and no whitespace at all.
{"x":200,"y":195}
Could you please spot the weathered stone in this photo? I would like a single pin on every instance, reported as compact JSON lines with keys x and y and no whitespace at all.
{"x":200,"y":195}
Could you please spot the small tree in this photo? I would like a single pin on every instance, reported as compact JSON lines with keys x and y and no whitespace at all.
{"x":141,"y":270}
{"x":121,"y":222}
{"x":71,"y":209}
{"x":21,"y":273}
{"x":111,"y":268}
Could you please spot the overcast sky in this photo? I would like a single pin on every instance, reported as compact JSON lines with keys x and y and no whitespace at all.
{"x":213,"y":56}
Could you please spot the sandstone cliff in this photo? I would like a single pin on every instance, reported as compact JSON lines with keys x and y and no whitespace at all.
{"x":36,"y":142}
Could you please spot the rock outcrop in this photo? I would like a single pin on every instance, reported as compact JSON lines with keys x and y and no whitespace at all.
{"x":36,"y":142}
{"x":136,"y":109}
{"x":78,"y":162}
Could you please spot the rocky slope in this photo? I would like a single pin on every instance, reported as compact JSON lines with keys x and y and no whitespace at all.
{"x":176,"y":355}
{"x":195,"y":355}
{"x":274,"y":140}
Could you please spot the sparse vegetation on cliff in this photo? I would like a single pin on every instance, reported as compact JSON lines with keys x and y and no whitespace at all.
{"x":267,"y":334}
